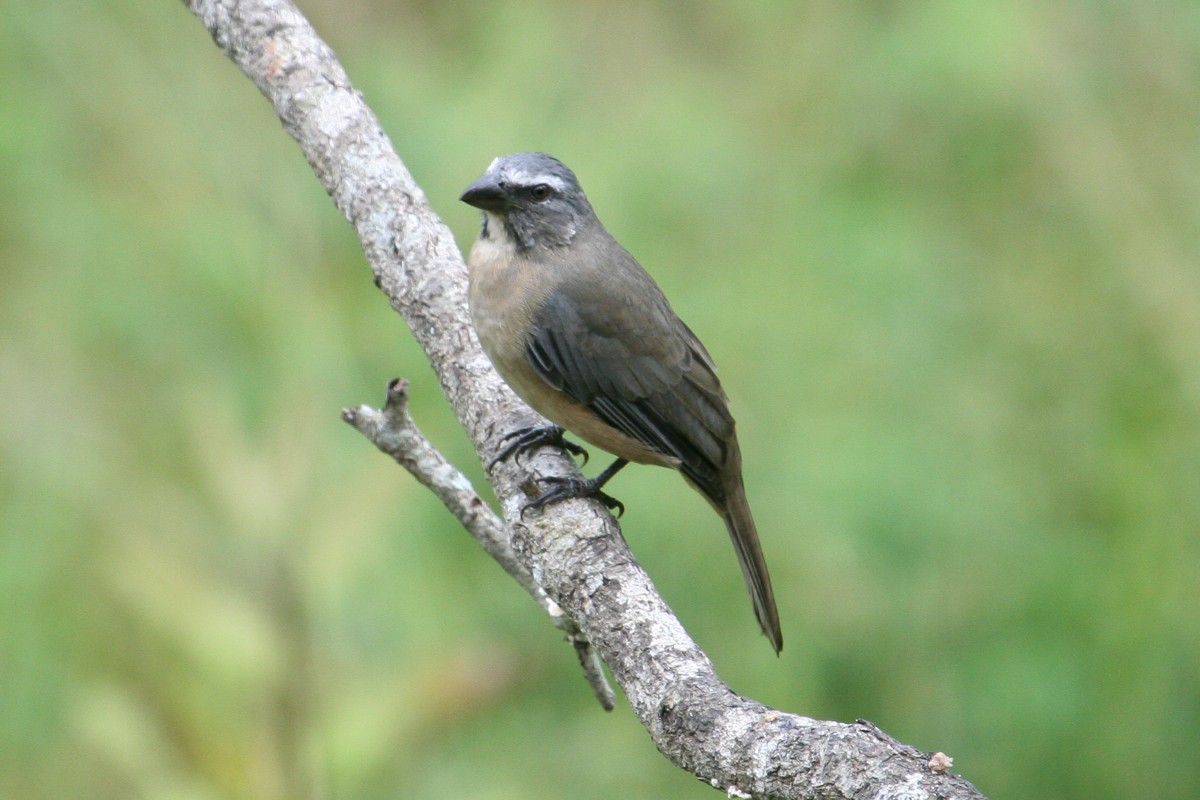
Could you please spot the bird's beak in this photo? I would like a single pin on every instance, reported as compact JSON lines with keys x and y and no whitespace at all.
{"x":486,"y":194}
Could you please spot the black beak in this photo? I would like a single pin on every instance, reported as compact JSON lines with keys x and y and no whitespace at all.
{"x":486,"y":194}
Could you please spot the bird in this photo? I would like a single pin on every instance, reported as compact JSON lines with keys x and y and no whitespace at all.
{"x":583,"y":334}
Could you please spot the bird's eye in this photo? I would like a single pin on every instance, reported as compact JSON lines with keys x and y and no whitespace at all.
{"x":541,"y":192}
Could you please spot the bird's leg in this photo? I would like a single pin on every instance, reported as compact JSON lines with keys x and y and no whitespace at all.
{"x":565,"y":488}
{"x":523,"y":439}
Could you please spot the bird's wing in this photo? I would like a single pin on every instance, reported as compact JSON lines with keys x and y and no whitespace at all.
{"x":641,"y":370}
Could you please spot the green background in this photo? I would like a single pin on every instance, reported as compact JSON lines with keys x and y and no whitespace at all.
{"x":945,"y":254}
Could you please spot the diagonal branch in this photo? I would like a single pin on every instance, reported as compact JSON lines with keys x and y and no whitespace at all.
{"x":393,"y":431}
{"x":574,"y":550}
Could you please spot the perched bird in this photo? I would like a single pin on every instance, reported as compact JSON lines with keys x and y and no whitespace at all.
{"x":585,"y":336}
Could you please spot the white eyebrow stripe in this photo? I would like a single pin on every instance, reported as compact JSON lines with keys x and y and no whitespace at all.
{"x":523,"y":178}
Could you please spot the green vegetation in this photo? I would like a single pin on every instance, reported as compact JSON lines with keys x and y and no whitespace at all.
{"x":946,"y":254}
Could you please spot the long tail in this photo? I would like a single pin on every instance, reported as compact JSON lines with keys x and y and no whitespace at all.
{"x":749,"y":554}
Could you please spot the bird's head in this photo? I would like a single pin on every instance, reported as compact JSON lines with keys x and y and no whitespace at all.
{"x":533,"y":199}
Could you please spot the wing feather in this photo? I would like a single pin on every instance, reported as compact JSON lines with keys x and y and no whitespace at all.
{"x":650,"y":378}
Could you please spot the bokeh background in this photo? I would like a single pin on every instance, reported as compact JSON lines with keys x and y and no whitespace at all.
{"x":945,"y":252}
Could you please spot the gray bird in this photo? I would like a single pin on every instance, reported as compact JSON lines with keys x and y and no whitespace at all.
{"x":585,"y":336}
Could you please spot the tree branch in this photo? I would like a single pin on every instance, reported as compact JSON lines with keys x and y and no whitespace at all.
{"x":393,"y":431}
{"x":574,"y":549}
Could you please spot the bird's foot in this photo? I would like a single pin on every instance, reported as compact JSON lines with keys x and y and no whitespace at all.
{"x":568,"y":488}
{"x":523,"y":439}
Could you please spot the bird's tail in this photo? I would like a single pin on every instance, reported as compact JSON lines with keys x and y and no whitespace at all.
{"x":744,"y":534}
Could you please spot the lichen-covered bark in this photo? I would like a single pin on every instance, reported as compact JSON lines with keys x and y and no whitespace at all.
{"x":574,"y":550}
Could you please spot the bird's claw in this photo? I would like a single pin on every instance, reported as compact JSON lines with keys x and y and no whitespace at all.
{"x":568,"y":488}
{"x":523,"y":439}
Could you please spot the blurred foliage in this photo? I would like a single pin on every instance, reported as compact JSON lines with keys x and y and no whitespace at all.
{"x":945,"y":252}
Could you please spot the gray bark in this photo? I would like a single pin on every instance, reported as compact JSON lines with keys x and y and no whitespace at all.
{"x":573,"y":551}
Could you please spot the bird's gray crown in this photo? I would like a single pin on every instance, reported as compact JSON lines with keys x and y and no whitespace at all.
{"x":530,"y":169}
